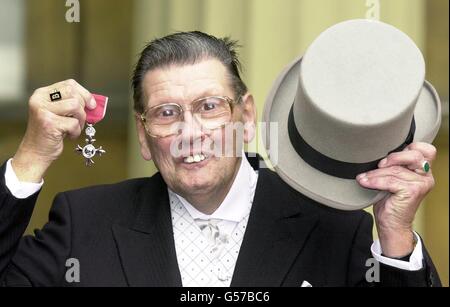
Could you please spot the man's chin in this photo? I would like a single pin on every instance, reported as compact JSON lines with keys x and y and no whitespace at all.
{"x":193,"y":185}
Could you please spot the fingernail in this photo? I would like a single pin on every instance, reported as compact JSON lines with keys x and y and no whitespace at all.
{"x":360,"y":176}
{"x":364,"y":179}
{"x":383,"y":162}
{"x":93,"y":103}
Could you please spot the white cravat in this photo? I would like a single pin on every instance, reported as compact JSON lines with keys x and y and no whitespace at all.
{"x":211,"y":231}
{"x":207,"y":246}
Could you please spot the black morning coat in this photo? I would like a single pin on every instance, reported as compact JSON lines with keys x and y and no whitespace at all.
{"x":121,"y":235}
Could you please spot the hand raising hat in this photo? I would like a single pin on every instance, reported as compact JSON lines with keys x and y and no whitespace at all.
{"x":358,"y":94}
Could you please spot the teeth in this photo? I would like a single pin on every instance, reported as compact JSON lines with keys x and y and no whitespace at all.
{"x":195,"y":158}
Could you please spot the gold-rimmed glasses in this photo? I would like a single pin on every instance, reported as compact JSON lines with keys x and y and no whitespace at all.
{"x":210,"y":112}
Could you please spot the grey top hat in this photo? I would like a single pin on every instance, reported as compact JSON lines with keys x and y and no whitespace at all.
{"x":358,"y":94}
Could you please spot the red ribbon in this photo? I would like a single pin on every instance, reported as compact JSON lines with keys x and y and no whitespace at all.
{"x":96,"y":115}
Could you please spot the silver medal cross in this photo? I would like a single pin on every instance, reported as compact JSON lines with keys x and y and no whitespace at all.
{"x":89,"y":151}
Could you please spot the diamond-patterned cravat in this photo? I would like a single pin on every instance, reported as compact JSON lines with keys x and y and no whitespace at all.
{"x":210,"y":229}
{"x":202,"y":262}
{"x":216,"y":239}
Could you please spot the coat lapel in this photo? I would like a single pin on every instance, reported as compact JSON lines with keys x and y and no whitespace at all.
{"x":147,"y":248}
{"x":276,"y":233}
{"x":277,"y":230}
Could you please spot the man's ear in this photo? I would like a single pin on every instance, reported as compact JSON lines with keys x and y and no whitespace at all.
{"x":142,"y":138}
{"x":248,"y":117}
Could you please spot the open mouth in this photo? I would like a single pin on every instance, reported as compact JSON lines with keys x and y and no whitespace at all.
{"x":197,"y":158}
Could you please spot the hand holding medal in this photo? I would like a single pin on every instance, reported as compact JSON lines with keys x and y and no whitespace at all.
{"x":55,"y":112}
{"x":89,"y":151}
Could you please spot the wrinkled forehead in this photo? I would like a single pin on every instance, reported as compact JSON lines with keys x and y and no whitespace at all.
{"x":183,"y":83}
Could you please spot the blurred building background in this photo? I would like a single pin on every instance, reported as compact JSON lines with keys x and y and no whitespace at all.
{"x":39,"y":47}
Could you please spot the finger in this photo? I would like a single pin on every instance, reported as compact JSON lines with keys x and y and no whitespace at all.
{"x":428,"y":150}
{"x":87,"y":96}
{"x":412,"y":159}
{"x":69,"y":126}
{"x":69,"y":92}
{"x":69,"y":89}
{"x":391,"y":184}
{"x":418,"y":187}
{"x":44,"y":93}
{"x":66,"y":91}
{"x":69,"y":108}
{"x":400,"y":172}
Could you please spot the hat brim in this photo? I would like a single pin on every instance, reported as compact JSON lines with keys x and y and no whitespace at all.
{"x":344,"y":194}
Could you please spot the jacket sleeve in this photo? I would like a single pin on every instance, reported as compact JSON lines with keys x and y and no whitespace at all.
{"x":37,"y":260}
{"x":365,"y":271}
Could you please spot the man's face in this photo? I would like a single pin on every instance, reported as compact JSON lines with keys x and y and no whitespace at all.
{"x":182,"y":84}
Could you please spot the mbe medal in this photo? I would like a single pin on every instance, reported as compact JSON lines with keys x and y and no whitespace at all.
{"x":89,"y":151}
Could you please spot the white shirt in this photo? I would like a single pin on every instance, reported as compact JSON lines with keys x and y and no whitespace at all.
{"x":18,"y":189}
{"x":206,"y":262}
{"x":237,"y":203}
{"x":23,"y":190}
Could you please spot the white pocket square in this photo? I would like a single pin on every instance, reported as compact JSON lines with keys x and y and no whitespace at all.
{"x":306,"y":284}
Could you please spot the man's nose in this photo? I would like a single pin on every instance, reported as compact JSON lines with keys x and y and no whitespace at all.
{"x":191,"y":129}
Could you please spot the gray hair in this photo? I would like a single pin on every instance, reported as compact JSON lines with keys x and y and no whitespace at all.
{"x":186,"y":48}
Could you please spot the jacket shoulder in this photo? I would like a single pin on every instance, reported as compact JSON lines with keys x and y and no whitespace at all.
{"x":112,"y":201}
{"x":310,"y":206}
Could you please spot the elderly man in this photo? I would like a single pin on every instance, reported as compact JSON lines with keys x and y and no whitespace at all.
{"x":208,"y":217}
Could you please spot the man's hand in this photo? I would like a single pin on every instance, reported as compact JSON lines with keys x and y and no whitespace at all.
{"x":400,"y":174}
{"x":48,"y":124}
